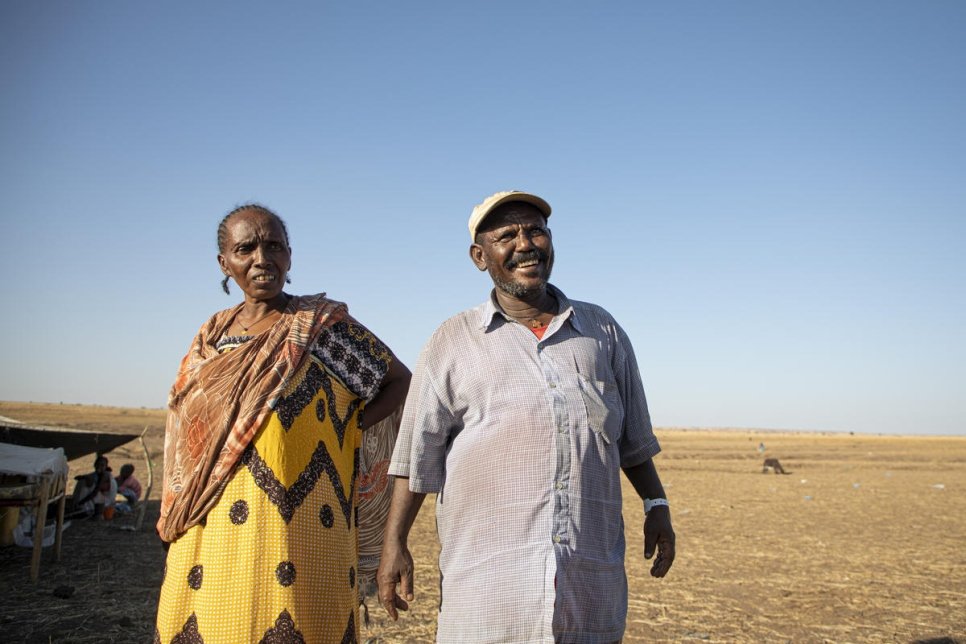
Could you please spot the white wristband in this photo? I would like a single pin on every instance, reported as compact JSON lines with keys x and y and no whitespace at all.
{"x":649,"y":504}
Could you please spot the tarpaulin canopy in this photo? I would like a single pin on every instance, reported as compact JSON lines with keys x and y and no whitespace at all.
{"x":75,"y":442}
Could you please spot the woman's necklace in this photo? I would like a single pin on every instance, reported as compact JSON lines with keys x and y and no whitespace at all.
{"x":251,"y":325}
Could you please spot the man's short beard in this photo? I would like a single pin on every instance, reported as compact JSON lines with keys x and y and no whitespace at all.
{"x":518,"y":290}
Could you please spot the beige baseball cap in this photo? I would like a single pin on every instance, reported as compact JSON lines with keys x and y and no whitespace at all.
{"x":483,"y":209}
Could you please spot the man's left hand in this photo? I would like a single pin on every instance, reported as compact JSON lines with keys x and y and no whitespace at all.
{"x":659,"y":534}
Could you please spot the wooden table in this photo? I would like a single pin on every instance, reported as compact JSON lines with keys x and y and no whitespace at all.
{"x":35,"y":478}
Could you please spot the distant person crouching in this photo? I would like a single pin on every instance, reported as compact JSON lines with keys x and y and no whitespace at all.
{"x":128,"y":487}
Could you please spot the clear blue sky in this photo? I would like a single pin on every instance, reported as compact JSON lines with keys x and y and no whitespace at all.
{"x":769,"y":196}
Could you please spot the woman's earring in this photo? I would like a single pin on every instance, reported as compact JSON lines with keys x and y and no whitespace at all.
{"x":288,"y":279}
{"x":224,"y":285}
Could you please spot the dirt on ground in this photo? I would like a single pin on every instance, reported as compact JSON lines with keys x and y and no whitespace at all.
{"x":862,"y":540}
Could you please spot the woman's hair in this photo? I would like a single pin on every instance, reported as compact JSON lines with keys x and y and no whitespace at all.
{"x":223,"y":231}
{"x":257,"y":207}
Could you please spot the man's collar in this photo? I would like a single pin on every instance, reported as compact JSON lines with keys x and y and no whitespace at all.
{"x":565,"y":310}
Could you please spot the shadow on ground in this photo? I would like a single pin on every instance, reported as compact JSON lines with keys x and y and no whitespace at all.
{"x":104,"y":589}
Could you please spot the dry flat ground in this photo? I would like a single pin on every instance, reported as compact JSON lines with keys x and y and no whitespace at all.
{"x":864,"y":541}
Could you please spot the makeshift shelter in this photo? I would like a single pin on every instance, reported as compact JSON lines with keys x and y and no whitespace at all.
{"x":75,"y":442}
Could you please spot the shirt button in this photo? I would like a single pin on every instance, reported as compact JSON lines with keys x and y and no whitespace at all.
{"x":559,"y":485}
{"x":553,"y":386}
{"x":556,"y":538}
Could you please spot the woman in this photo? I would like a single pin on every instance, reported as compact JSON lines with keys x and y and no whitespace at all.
{"x":261,"y":454}
{"x":94,"y":492}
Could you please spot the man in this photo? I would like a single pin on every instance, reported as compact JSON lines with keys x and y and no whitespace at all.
{"x":521,"y":415}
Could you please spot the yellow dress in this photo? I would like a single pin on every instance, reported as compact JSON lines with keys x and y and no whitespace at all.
{"x":275,"y":560}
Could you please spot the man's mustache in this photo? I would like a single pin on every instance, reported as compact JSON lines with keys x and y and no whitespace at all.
{"x":519,"y":258}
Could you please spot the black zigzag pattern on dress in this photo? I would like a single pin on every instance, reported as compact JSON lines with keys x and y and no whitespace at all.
{"x":189,"y":633}
{"x":284,"y":631}
{"x":289,"y":500}
{"x":290,"y":407}
{"x":339,"y":423}
{"x":349,"y":637}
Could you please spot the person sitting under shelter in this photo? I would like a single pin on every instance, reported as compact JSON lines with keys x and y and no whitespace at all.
{"x":127,"y":487}
{"x":93,"y":491}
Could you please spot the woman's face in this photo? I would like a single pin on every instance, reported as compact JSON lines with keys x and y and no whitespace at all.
{"x":256,"y":254}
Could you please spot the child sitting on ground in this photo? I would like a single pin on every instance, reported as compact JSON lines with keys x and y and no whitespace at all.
{"x":128,"y":487}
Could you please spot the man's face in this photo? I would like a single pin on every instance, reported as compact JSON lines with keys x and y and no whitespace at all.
{"x":515,"y":247}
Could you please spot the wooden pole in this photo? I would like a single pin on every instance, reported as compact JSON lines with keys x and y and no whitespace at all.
{"x":39,"y":525}
{"x":142,"y":506}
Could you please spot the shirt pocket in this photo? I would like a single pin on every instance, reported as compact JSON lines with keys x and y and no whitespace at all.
{"x":605,"y":411}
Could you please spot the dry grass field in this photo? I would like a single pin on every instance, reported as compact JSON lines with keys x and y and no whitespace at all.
{"x":863,"y":541}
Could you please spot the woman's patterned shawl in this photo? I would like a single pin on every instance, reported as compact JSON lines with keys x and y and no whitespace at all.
{"x":220,"y":400}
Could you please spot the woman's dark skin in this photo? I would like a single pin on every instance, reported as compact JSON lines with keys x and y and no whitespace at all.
{"x":257,"y":256}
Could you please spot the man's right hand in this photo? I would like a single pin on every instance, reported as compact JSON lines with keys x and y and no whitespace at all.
{"x":395,"y":567}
